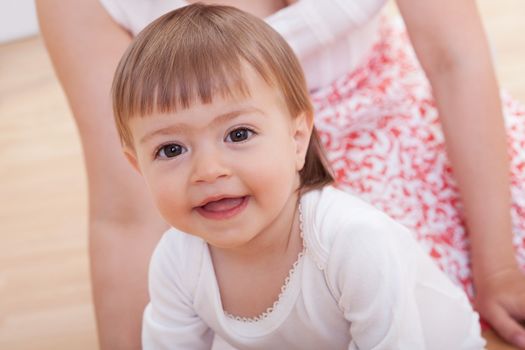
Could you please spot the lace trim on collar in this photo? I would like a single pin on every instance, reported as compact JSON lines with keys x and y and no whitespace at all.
{"x":284,"y":287}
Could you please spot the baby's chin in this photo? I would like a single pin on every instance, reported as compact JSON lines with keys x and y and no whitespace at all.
{"x":223,"y":239}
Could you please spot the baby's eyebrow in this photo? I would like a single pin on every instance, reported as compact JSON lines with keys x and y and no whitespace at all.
{"x":222,"y":118}
{"x":185,"y":128}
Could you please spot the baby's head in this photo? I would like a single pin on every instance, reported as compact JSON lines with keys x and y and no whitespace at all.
{"x":211,"y":103}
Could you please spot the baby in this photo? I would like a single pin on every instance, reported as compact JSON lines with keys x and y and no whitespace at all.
{"x":264,"y":252}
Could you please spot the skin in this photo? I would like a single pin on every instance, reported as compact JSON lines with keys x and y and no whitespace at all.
{"x":124,"y":225}
{"x":254,"y":247}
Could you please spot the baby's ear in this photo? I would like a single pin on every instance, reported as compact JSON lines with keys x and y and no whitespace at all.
{"x":303,"y":125}
{"x":131,"y":156}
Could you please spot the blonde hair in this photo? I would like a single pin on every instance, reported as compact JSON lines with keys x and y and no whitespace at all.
{"x":196,"y":52}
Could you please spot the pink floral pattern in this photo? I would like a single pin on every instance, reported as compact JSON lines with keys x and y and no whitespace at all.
{"x":380,"y":127}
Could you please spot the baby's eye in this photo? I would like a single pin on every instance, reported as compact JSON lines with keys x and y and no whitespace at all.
{"x":239,"y":135}
{"x":170,"y":151}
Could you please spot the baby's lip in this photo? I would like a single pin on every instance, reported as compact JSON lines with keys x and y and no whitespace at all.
{"x":215,"y":199}
{"x":222,"y":207}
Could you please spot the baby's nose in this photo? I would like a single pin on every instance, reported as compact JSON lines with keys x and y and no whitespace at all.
{"x":209,"y":166}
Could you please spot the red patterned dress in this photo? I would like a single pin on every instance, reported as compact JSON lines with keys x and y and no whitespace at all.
{"x":380,"y":127}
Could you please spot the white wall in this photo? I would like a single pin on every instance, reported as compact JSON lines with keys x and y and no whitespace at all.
{"x":17,"y":19}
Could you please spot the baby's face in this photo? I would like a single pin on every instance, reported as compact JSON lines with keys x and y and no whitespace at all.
{"x":223,"y":171}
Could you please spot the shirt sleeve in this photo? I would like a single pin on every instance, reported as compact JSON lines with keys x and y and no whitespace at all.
{"x":135,"y":15}
{"x":375,"y":269}
{"x":169,"y":320}
{"x":309,"y":25}
{"x":118,"y":14}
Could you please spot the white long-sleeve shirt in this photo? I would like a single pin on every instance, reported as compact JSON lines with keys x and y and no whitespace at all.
{"x":362,"y":283}
{"x":330,"y":38}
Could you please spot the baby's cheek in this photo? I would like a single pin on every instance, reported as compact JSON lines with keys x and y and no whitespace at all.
{"x":168,"y":201}
{"x":273,"y":173}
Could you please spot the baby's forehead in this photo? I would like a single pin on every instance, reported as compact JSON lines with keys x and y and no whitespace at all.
{"x":258,"y":109}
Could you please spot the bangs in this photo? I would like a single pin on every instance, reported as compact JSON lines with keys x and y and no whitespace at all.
{"x":174,"y":64}
{"x":168,"y":76}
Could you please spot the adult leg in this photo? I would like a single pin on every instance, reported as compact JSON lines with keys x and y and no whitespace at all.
{"x":85,"y":46}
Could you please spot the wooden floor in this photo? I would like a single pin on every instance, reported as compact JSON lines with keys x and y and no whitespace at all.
{"x":44,"y":285}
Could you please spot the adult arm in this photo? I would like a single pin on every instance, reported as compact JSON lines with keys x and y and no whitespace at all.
{"x":451,"y":45}
{"x":85,"y":45}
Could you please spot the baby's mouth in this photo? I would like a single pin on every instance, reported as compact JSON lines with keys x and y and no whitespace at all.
{"x":223,"y":208}
{"x":223,"y":204}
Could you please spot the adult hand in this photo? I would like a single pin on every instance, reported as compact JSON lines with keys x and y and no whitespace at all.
{"x":500,"y":299}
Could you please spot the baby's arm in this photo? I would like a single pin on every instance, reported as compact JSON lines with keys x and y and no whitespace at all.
{"x":169,"y":319}
{"x":393,"y":295}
